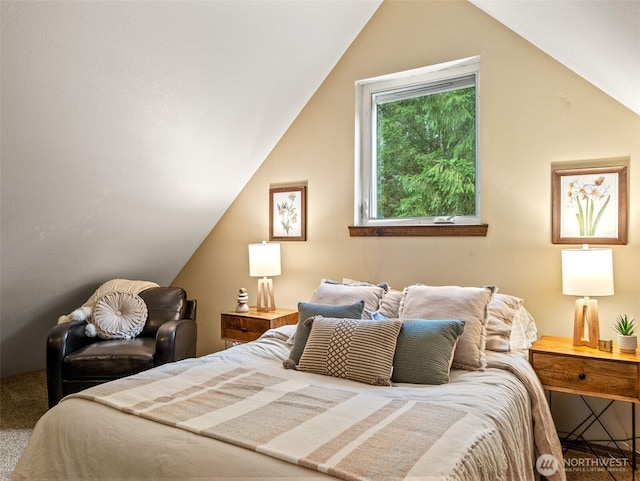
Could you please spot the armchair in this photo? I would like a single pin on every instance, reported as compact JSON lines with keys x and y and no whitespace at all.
{"x":76,"y":362}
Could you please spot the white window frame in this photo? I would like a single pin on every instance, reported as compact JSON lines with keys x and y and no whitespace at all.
{"x":367,"y":91}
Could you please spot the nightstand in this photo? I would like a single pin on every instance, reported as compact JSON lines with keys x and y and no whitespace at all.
{"x":586,"y":371}
{"x":248,"y":326}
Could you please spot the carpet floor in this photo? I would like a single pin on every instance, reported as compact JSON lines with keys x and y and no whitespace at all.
{"x":23,"y":400}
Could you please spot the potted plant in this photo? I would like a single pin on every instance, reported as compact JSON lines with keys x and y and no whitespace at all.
{"x":626,"y":328}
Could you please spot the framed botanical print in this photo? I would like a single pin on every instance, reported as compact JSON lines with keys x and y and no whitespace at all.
{"x":589,"y":205}
{"x":288,"y":213}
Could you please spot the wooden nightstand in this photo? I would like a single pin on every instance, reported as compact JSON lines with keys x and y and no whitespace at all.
{"x":248,"y":326}
{"x":586,"y":371}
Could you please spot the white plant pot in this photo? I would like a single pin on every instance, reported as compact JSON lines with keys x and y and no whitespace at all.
{"x":627,"y":344}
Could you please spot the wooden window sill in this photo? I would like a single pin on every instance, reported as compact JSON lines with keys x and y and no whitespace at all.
{"x":448,"y":230}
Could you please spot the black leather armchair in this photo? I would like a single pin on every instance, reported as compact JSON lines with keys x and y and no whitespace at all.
{"x":76,"y":362}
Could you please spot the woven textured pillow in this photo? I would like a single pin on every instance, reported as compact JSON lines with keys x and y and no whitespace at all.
{"x":307,"y":310}
{"x":119,"y":315}
{"x":357,"y":349}
{"x":425,"y":350}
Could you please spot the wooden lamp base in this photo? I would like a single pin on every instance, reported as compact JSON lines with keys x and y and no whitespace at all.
{"x":266,"y":298}
{"x":586,"y":325}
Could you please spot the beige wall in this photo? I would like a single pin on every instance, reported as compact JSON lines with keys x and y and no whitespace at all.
{"x":534,"y":112}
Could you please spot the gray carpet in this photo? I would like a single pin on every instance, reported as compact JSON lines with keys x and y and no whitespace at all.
{"x":23,"y":400}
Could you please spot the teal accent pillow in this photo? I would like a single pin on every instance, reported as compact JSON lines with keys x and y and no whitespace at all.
{"x":424,"y":351}
{"x":307,"y":310}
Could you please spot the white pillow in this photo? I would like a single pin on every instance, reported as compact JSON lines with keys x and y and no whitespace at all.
{"x":119,"y":315}
{"x":390,"y":304}
{"x":523,"y":331}
{"x":500,"y":314}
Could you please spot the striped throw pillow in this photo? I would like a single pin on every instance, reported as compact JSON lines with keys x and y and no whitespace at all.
{"x":357,"y":349}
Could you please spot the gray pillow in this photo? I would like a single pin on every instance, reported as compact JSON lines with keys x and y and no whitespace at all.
{"x":308,"y":310}
{"x":424,"y":351}
{"x":341,"y":294}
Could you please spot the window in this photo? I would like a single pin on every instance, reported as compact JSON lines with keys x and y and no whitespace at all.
{"x":416,"y":147}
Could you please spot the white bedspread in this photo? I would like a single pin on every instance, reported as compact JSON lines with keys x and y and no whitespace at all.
{"x":480,"y":426}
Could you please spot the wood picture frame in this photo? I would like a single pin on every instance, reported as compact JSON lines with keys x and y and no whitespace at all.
{"x":589,"y":205}
{"x":288,"y":213}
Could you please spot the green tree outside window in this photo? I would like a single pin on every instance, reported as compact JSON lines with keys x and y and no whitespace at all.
{"x":426,"y":155}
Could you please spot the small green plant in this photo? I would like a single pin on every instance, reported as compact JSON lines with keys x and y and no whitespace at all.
{"x":624,"y":325}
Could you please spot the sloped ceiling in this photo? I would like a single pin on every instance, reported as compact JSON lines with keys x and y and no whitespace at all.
{"x":599,"y":40}
{"x":128,"y":128}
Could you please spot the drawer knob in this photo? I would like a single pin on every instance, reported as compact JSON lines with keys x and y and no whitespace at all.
{"x":244,"y":329}
{"x":582,"y":376}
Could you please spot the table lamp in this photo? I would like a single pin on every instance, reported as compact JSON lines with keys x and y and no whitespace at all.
{"x":587,"y":272}
{"x":264,"y":261}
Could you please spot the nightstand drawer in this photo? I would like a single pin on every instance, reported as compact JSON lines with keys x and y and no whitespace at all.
{"x":248,"y":326}
{"x":586,"y":376}
{"x":243,"y":329}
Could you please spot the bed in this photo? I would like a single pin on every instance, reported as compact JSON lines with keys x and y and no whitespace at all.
{"x":239,"y":414}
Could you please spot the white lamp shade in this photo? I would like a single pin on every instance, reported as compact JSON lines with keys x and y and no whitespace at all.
{"x":264,"y":259}
{"x":587,"y":272}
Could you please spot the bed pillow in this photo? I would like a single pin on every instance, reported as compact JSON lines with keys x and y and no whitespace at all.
{"x":500,"y":313}
{"x":355,"y":282}
{"x":468,"y":304}
{"x":424,"y":351}
{"x":390,"y":304}
{"x":336,"y":293}
{"x":119,"y":315}
{"x":307,"y":310}
{"x":523,"y":331}
{"x":357,"y":349}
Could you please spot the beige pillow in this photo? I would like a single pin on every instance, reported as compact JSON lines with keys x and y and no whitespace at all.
{"x":500,"y":313}
{"x":357,"y":349}
{"x":468,"y":304}
{"x":119,"y":285}
{"x":342,"y":294}
{"x":119,"y":315}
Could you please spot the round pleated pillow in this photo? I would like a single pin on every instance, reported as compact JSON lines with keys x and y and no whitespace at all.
{"x":119,"y":315}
